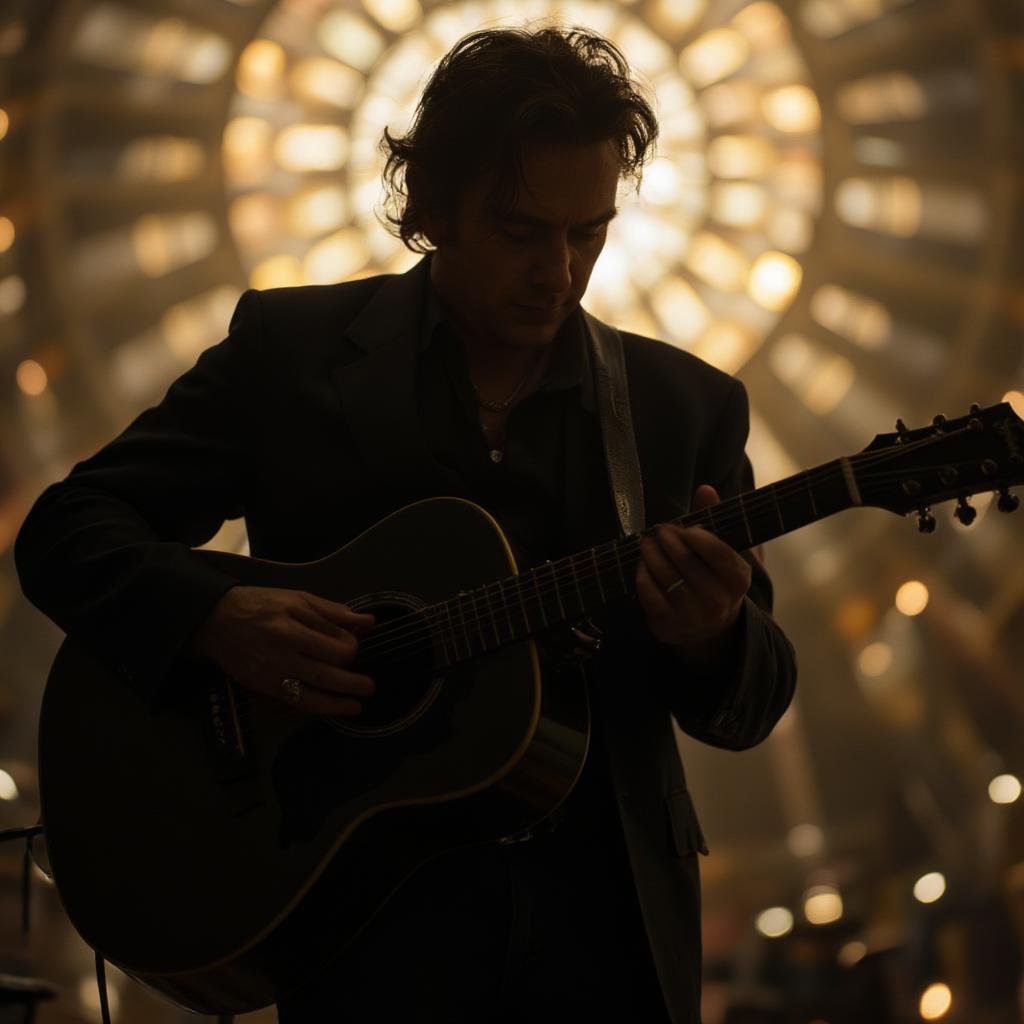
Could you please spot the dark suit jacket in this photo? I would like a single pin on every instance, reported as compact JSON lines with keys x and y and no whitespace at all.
{"x":304,"y":420}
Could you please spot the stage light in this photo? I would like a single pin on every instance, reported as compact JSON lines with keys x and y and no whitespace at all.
{"x":912,"y":598}
{"x":875,"y":660}
{"x":351,"y":39}
{"x":792,"y":108}
{"x":12,"y":294}
{"x":774,"y":280}
{"x":322,"y":80}
{"x":721,"y":264}
{"x":851,"y":953}
{"x":336,"y":257}
{"x":7,"y":233}
{"x":823,"y":904}
{"x":805,"y":840}
{"x":311,"y":147}
{"x":1004,"y":789}
{"x":281,"y":271}
{"x":930,"y":887}
{"x":716,"y":54}
{"x":774,"y":922}
{"x":5,"y":122}
{"x":8,"y":787}
{"x":682,"y":314}
{"x":31,"y":377}
{"x":936,"y":1001}
{"x":395,"y":15}
{"x":261,"y":69}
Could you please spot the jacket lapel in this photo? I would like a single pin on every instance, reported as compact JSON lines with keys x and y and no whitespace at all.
{"x":378,"y":391}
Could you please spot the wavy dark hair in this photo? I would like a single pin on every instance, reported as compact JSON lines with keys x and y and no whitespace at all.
{"x":496,"y":91}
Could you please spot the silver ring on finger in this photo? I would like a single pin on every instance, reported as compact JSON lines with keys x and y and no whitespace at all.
{"x":675,"y":586}
{"x":292,"y":689}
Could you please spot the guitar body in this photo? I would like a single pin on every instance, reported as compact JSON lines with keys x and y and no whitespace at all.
{"x":221,"y":846}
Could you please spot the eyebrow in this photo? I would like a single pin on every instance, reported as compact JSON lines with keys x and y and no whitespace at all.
{"x":513,"y":217}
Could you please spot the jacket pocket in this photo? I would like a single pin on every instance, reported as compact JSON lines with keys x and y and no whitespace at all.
{"x":686,"y":833}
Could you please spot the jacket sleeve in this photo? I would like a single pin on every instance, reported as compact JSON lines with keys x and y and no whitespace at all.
{"x":105,"y":552}
{"x":735,"y":701}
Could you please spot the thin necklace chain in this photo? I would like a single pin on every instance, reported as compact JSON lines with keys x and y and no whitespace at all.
{"x":506,"y":404}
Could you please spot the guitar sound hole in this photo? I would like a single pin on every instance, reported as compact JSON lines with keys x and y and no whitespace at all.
{"x":399,"y":658}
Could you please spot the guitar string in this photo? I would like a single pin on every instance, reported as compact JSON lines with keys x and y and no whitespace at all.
{"x":414,"y":626}
{"x":606,"y":562}
{"x":609,"y":557}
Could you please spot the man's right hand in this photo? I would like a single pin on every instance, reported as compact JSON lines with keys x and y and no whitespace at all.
{"x":261,"y":636}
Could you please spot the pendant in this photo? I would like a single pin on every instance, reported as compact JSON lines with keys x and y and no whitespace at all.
{"x":496,"y":455}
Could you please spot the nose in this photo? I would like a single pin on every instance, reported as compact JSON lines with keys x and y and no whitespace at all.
{"x":552,"y":269}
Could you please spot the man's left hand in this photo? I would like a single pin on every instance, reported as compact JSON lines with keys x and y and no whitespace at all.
{"x":691,"y":584}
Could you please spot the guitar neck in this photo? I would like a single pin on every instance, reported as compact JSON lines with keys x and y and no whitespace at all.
{"x":573,"y":588}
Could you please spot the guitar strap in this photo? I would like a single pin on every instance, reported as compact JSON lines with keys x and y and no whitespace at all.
{"x":612,"y":391}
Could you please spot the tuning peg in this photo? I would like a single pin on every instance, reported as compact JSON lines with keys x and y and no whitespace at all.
{"x":964,"y":511}
{"x":901,"y":429}
{"x":925,"y":520}
{"x":939,"y":422}
{"x":974,"y":409}
{"x":1007,"y":502}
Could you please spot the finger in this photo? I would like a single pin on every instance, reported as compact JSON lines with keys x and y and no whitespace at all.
{"x":317,"y":702}
{"x":330,"y":678}
{"x":722,"y":560}
{"x":704,"y":497}
{"x":338,"y":613}
{"x":651,"y":597}
{"x":659,"y":565}
{"x":340,"y":650}
{"x":704,"y":582}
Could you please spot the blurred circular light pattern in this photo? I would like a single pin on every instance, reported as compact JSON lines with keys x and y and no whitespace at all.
{"x":912,"y":598}
{"x":311,"y":147}
{"x":7,"y":233}
{"x":775,"y":922}
{"x":805,"y":840}
{"x":851,"y":953}
{"x":875,"y":660}
{"x":31,"y":377}
{"x":5,"y":122}
{"x":12,"y":294}
{"x":1004,"y":789}
{"x":935,"y":1002}
{"x":8,"y":787}
{"x":930,"y":887}
{"x":774,"y":279}
{"x":260,"y":69}
{"x":823,"y":904}
{"x":1016,"y":400}
{"x":739,"y":125}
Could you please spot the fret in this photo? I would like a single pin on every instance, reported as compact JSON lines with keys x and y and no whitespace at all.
{"x":508,"y":611}
{"x":540,"y":596}
{"x":479,"y":620}
{"x":462,"y":620}
{"x":746,"y":521}
{"x":437,"y":634}
{"x":558,"y":592}
{"x":778,"y":508}
{"x":494,"y":618}
{"x":597,"y":575}
{"x":810,"y":493}
{"x":576,"y":583}
{"x":618,"y":563}
{"x":522,"y":604}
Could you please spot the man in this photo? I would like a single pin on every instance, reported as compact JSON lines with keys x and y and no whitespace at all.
{"x":328,"y":408}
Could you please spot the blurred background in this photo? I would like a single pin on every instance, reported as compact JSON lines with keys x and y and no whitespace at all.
{"x":834,"y":214}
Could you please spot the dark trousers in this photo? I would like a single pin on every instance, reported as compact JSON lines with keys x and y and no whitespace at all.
{"x":540,"y":931}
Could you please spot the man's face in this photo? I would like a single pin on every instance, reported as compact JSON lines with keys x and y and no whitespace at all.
{"x":510,"y":277}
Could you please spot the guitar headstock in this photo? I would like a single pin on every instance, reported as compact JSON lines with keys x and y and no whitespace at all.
{"x":911,"y":470}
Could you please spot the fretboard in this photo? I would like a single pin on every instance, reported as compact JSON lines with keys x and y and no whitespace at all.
{"x":573,"y":588}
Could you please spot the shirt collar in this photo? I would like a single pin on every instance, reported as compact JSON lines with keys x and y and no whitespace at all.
{"x":570,"y":359}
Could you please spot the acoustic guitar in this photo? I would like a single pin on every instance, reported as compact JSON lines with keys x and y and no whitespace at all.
{"x":207,"y":844}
